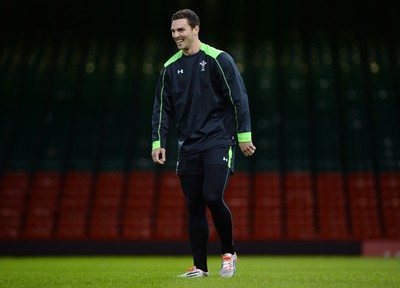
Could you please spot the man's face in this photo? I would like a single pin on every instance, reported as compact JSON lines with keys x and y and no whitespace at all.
{"x":183,"y":34}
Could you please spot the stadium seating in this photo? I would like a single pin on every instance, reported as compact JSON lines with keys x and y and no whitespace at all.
{"x":138,"y":219}
{"x":332,"y":210}
{"x":268,"y":211}
{"x":390,"y":201}
{"x":42,"y":201}
{"x":13,"y":194}
{"x":75,"y":124}
{"x":106,"y":206}
{"x":73,"y":209}
{"x":171,"y":214}
{"x":238,"y":197}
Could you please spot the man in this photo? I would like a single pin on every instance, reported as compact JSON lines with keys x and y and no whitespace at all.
{"x":201,"y":89}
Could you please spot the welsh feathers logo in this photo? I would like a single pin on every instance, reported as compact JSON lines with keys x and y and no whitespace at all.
{"x":203,"y":65}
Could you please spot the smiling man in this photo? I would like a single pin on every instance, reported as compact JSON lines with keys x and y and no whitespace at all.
{"x":202,"y":90}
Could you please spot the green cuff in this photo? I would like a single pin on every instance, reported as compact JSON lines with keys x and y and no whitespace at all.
{"x":244,"y":137}
{"x":156,"y":144}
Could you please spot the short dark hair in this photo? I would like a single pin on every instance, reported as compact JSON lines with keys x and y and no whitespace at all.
{"x":192,"y":18}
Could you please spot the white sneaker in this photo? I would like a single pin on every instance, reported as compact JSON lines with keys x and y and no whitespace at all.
{"x":228,"y":267}
{"x":194,"y":273}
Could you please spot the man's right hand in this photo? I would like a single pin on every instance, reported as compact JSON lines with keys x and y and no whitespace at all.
{"x":158,"y":155}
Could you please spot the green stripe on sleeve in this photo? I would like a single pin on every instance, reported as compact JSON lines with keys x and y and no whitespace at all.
{"x":156,"y":144}
{"x":244,"y":137}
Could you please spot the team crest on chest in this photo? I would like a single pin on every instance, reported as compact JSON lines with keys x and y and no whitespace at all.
{"x":203,"y":65}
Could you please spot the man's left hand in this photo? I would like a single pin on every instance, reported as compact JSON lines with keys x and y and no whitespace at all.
{"x":247,"y":148}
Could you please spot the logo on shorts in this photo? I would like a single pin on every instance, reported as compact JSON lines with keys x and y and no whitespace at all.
{"x":225,"y":159}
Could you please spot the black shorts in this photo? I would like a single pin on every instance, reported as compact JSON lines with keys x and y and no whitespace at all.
{"x":194,"y":164}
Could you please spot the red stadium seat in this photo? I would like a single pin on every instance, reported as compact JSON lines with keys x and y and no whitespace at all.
{"x":390,"y":197}
{"x":171,"y":219}
{"x":41,"y":208}
{"x":299,"y":206}
{"x":331,"y":206}
{"x":13,"y":190}
{"x":363,"y":206}
{"x":139,"y":206}
{"x":267,"y":206}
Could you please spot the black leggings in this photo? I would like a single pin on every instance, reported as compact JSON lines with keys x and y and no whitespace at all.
{"x":203,"y":191}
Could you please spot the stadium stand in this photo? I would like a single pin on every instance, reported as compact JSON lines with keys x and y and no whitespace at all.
{"x":75,"y":123}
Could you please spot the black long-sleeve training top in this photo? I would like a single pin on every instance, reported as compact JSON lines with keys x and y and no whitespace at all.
{"x":206,"y":96}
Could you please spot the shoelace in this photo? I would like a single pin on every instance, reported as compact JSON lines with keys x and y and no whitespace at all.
{"x":194,"y":269}
{"x":227,"y":262}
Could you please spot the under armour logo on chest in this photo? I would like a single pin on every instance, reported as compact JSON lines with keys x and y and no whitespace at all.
{"x":180,"y":71}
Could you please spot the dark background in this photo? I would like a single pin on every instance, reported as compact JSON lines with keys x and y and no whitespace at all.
{"x":77,"y":82}
{"x":47,"y":47}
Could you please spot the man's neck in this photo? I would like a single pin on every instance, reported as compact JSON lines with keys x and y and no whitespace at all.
{"x":193,"y":49}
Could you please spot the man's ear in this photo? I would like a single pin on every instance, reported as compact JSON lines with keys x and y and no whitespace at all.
{"x":196,"y":30}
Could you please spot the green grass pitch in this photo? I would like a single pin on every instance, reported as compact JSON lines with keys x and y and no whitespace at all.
{"x":162,"y":271}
